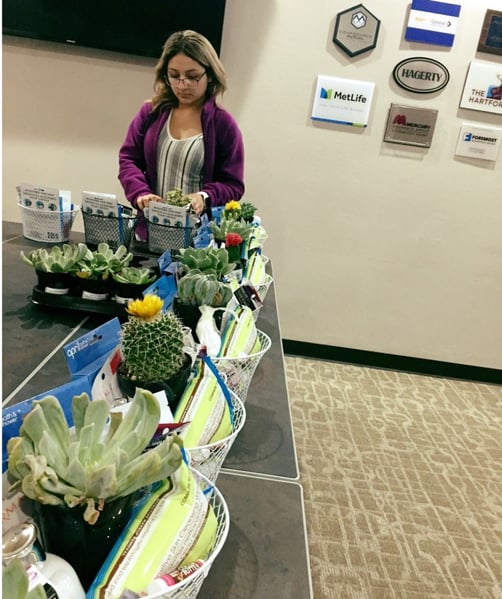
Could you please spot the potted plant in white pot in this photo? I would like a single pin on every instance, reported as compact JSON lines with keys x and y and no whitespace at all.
{"x":84,"y":480}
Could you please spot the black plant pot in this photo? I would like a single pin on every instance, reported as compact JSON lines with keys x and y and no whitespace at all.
{"x":58,"y":283}
{"x":188,"y":314}
{"x":123,"y":292}
{"x":173,"y":386}
{"x":64,"y":532}
{"x":94,"y":289}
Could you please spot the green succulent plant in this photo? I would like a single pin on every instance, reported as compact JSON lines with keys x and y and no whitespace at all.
{"x":175,"y":197}
{"x":230,"y":225}
{"x":208,"y":260}
{"x":103,"y":262}
{"x":200,"y":289}
{"x":152,"y":341}
{"x":247,"y":211}
{"x":102,"y":458}
{"x":15,"y":582}
{"x":57,"y":259}
{"x":135,"y":275}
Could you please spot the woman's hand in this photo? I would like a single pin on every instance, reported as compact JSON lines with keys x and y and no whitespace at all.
{"x":143,"y":201}
{"x":197,"y":201}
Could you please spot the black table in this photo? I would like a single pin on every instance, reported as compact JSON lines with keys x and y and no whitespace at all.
{"x":265,"y":554}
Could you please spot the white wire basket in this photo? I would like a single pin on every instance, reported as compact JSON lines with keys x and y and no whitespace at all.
{"x":190,"y":587}
{"x":262,"y":290}
{"x":47,"y":225}
{"x":240,"y":371}
{"x":208,"y":459}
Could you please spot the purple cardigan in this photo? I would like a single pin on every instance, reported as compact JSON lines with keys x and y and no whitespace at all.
{"x":223,"y":176}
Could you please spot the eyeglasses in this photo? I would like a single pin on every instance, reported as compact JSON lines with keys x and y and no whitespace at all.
{"x":189,"y":81}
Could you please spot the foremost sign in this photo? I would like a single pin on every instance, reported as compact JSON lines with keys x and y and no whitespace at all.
{"x":421,"y":75}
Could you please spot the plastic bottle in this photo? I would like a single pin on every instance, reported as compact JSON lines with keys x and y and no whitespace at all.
{"x":163,"y":582}
{"x":56,"y":575}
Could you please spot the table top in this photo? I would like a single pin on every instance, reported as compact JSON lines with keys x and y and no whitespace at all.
{"x":266,"y":548}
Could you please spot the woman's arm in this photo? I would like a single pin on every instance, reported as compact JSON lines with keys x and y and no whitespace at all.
{"x":132,"y":166}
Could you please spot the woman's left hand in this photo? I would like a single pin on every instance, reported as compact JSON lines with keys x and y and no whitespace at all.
{"x":197,"y":202}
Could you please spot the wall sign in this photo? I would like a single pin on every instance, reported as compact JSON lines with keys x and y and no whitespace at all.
{"x":421,"y":75}
{"x":483,"y":87}
{"x":410,"y":126}
{"x":490,"y":39}
{"x":476,"y":141}
{"x":432,"y":22}
{"x":356,"y":30}
{"x":343,"y":101}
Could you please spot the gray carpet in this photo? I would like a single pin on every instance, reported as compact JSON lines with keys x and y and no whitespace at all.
{"x":402,"y":476}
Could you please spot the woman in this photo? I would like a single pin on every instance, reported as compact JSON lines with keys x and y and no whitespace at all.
{"x":181,"y":138}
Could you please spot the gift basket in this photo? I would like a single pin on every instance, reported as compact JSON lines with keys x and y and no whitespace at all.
{"x":115,"y":230}
{"x":49,"y":226}
{"x":208,"y":459}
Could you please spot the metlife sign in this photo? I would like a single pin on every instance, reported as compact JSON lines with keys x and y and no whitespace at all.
{"x":478,"y":142}
{"x":342,"y":101}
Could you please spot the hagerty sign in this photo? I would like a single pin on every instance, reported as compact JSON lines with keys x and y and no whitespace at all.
{"x":421,"y":75}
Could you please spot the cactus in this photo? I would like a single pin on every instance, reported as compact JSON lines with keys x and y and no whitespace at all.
{"x":199,"y":289}
{"x":65,"y":259}
{"x":102,"y":458}
{"x":207,"y":260}
{"x":247,"y":211}
{"x":152,"y":341}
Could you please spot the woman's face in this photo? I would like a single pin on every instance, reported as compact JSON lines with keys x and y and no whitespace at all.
{"x":188,"y":80}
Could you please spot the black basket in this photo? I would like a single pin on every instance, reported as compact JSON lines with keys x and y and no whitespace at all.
{"x":113,"y":230}
{"x":165,"y":237}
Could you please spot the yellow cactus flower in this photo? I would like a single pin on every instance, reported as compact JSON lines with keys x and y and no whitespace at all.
{"x":146,"y":308}
{"x":232,"y":206}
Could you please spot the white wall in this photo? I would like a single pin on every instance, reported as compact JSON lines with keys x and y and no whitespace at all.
{"x":375,"y":246}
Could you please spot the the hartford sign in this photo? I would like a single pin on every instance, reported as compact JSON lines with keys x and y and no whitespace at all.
{"x":421,"y":75}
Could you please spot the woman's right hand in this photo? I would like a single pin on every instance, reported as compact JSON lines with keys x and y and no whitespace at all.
{"x":143,"y":201}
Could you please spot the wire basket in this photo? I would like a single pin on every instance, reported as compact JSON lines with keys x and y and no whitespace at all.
{"x":240,"y":371}
{"x":47,"y":225}
{"x":208,"y":459}
{"x":262,"y":290}
{"x":165,"y":237}
{"x":113,"y":230}
{"x":190,"y":587}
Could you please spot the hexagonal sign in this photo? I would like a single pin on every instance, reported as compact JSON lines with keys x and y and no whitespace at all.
{"x":356,"y":30}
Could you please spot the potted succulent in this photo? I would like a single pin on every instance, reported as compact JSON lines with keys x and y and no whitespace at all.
{"x":207,"y":260}
{"x":153,"y":350}
{"x":247,"y":211}
{"x":96,"y":268}
{"x":131,"y":281}
{"x":175,"y":197}
{"x":197,"y":289}
{"x":54,"y":267}
{"x":230,"y":225}
{"x":84,"y":480}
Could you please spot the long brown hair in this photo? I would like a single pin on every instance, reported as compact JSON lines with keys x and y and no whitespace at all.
{"x":198,"y":48}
